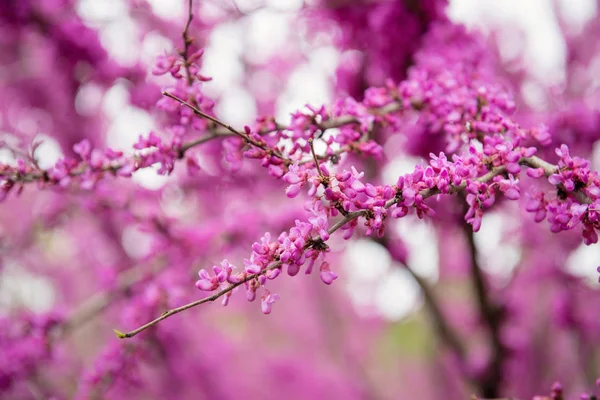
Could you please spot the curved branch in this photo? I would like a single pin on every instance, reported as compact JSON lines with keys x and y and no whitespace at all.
{"x":177,"y":310}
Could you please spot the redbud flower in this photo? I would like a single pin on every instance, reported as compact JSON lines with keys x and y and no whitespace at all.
{"x":535,"y":172}
{"x":327,"y":276}
{"x":206,"y":282}
{"x":83,"y":148}
{"x":267,"y":301}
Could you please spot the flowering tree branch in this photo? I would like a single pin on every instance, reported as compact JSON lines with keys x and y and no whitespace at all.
{"x":94,"y":164}
{"x":246,"y":136}
{"x":177,"y":310}
{"x":531,"y":162}
{"x":418,"y":85}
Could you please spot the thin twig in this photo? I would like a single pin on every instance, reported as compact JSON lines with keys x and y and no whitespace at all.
{"x":205,"y":115}
{"x":177,"y":310}
{"x":312,"y":150}
{"x":187,"y":42}
{"x":328,"y":124}
{"x":207,"y":138}
{"x":247,"y":138}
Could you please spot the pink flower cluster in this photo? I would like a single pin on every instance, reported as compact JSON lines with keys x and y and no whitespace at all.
{"x":26,"y":343}
{"x":117,"y":363}
{"x":291,"y":251}
{"x":487,"y":148}
{"x":94,"y":164}
{"x":576,"y":199}
{"x":188,"y":86}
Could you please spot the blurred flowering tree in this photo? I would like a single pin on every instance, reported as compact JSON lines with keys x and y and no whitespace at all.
{"x":92,"y":236}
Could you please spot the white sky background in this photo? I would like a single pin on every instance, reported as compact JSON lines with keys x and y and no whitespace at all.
{"x":391,"y":291}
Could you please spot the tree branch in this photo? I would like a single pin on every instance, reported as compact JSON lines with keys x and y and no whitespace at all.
{"x":247,"y":138}
{"x":349,"y":217}
{"x":177,"y":310}
{"x":492,"y":315}
{"x":445,"y":331}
